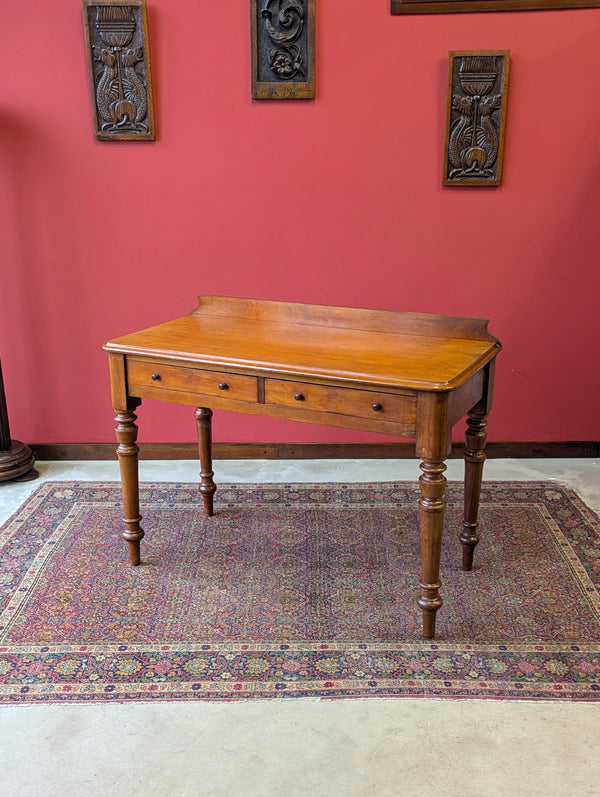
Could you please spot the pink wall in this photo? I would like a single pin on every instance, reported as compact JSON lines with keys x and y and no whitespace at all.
{"x":333,"y":201}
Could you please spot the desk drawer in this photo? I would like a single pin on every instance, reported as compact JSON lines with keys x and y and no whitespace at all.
{"x":147,"y":376}
{"x":341,"y":400}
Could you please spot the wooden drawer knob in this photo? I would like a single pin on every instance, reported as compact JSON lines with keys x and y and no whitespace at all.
{"x":223,"y":386}
{"x":155,"y":377}
{"x":299,"y":396}
{"x":377,"y":407}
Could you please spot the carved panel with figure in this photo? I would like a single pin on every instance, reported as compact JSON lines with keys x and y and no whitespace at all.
{"x":475,"y":117}
{"x":118,"y":55}
{"x":283,"y":49}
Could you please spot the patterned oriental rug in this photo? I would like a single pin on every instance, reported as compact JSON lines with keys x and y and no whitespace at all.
{"x":295,"y":590}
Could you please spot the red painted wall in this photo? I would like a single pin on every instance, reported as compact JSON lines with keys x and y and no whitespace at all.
{"x":333,"y":201}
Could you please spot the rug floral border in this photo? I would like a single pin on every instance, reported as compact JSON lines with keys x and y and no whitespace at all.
{"x":234,"y":671}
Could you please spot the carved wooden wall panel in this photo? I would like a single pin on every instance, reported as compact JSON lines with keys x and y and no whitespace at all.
{"x":283,"y":49}
{"x":116,"y":35}
{"x":475,"y":117}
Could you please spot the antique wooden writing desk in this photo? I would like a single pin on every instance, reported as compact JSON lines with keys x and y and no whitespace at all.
{"x":400,"y":373}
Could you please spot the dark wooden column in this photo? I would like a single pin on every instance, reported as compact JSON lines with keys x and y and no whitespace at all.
{"x":434,"y":441}
{"x":128,"y":451}
{"x":16,"y":459}
{"x":207,"y":486}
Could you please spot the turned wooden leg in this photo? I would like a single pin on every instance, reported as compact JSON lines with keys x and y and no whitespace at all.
{"x":207,"y":486}
{"x":432,"y":484}
{"x":476,"y":436}
{"x":127,"y":450}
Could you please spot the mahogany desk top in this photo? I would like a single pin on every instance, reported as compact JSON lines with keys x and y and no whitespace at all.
{"x":413,"y":375}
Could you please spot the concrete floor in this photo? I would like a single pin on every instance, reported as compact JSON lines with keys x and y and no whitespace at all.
{"x":404,"y":747}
